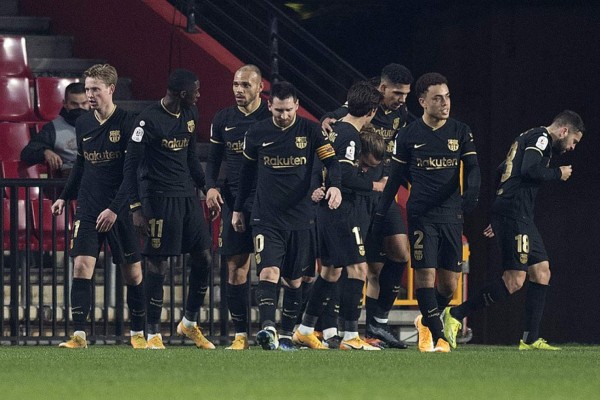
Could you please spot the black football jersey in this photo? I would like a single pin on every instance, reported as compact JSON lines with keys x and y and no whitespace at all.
{"x":102,"y":146}
{"x":516,"y":192}
{"x":433,"y":157}
{"x":285,"y":159}
{"x":387,"y":123}
{"x":228,"y":128}
{"x":170,"y":145}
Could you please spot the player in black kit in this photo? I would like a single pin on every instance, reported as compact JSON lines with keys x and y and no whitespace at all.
{"x":94,"y":181}
{"x":227,"y":141}
{"x":281,"y":152}
{"x":428,"y":153}
{"x":387,"y":257}
{"x":524,"y":170}
{"x":163,"y":148}
{"x":341,"y":231}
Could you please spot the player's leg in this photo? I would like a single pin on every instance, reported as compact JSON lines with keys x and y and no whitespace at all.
{"x":85,"y":245}
{"x":156,"y":268}
{"x":319,"y":299}
{"x":196,"y":241}
{"x":351,"y":298}
{"x":269,"y":251}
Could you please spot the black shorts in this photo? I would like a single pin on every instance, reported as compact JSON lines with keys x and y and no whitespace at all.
{"x":393,"y":224}
{"x":122,"y":240}
{"x":232,"y":243}
{"x":177,"y":226}
{"x":341,"y":233}
{"x":521,"y":244}
{"x":292,"y":251}
{"x":436,"y":245}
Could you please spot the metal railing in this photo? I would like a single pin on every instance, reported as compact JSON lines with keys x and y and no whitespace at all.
{"x":258,"y":32}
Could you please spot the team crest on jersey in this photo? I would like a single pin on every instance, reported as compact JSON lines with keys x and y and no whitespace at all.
{"x":396,"y":123}
{"x":155,"y":243}
{"x":114,"y":136}
{"x":523,"y":258}
{"x":418,"y":255}
{"x":391,"y":148}
{"x":453,"y":144}
{"x":301,"y":142}
{"x":191,"y":126}
{"x":361,"y":250}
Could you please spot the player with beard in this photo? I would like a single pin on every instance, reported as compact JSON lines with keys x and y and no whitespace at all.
{"x":281,"y":152}
{"x":524,"y":170}
{"x":227,"y":142}
{"x":387,"y":257}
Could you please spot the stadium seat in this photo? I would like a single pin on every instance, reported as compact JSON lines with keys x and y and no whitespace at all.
{"x":21,"y":226}
{"x":14,"y":137}
{"x":13,"y":57}
{"x":50,"y":93}
{"x":15,"y":100}
{"x":46,"y":225}
{"x":12,"y":169}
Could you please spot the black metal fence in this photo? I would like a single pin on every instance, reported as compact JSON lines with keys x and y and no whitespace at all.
{"x":36,"y":273}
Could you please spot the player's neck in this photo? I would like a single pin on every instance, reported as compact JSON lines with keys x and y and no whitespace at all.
{"x":356,"y":122}
{"x":432,"y":122}
{"x":104,"y":113}
{"x":553,"y":132}
{"x":250,"y":108}
{"x":170,"y":105}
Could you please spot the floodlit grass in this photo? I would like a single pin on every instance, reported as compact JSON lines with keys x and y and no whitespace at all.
{"x":183,"y":372}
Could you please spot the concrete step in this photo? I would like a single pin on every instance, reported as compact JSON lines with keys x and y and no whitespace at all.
{"x":49,"y":46}
{"x":18,"y":25}
{"x":66,"y":67}
{"x":9,"y":7}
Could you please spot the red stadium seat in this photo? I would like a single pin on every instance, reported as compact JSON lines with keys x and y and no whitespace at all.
{"x":13,"y":57}
{"x":14,"y":137}
{"x":15,"y":100}
{"x":16,"y":169}
{"x":47,"y":225}
{"x":21,"y":226}
{"x":50,"y":94}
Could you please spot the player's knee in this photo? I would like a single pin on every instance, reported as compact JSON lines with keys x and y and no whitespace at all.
{"x":292,"y":283}
{"x":513,"y":280}
{"x":157,"y":265}
{"x":132,"y":274}
{"x":331,"y":274}
{"x":83,"y":268}
{"x":540,"y":273}
{"x":357,"y":271}
{"x":270,"y":274}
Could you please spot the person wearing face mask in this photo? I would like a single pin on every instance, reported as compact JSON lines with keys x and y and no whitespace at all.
{"x":56,"y":143}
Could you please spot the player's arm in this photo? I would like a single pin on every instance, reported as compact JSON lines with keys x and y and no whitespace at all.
{"x":397,"y":176}
{"x":472,"y":182}
{"x":354,"y":179}
{"x":332,"y":116}
{"x":326,"y":154}
{"x":533,"y":166}
{"x":247,"y":177}
{"x":216,"y":150}
{"x":194,"y":165}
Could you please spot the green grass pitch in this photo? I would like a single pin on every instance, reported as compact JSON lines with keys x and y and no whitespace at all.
{"x":183,"y":372}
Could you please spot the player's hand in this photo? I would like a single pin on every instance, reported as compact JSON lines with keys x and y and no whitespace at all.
{"x":379,"y":185}
{"x":488,"y":232}
{"x":105,"y":221}
{"x":214,"y":201}
{"x":53,"y":159}
{"x":334,"y":196}
{"x":237,"y":221}
{"x":58,"y":207}
{"x":326,"y":124}
{"x":565,"y":172}
{"x":318,"y":194}
{"x":140,"y":223}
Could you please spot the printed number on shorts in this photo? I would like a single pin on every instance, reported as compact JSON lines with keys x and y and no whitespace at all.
{"x":156,"y":227}
{"x":522,"y":243}
{"x":76,"y":228}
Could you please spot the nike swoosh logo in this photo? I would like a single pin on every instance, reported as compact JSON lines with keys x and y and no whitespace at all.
{"x":128,"y":254}
{"x":85,"y":139}
{"x":267,"y":144}
{"x":228,"y":128}
{"x":419,"y":145}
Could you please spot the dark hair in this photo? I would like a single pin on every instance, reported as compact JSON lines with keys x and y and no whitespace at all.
{"x":371,"y":142}
{"x":181,"y":80}
{"x":75,"y":87}
{"x":396,"y":74}
{"x":362,"y":98}
{"x":429,"y":79}
{"x":283,"y":90}
{"x":569,"y":119}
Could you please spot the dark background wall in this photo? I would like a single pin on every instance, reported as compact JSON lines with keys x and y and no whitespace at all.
{"x":511,"y":66}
